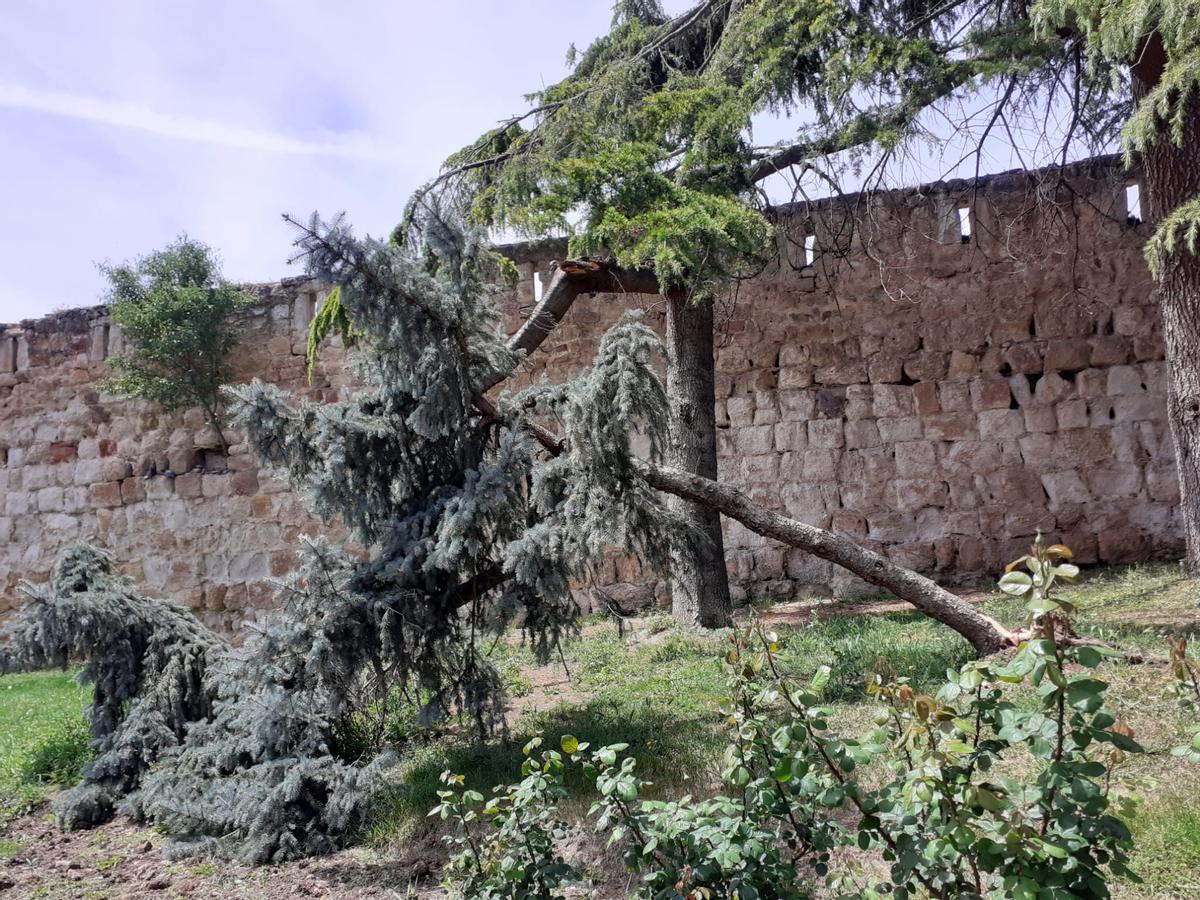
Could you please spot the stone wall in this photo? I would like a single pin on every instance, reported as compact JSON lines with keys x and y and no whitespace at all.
{"x":182,"y":518}
{"x":937,"y":395}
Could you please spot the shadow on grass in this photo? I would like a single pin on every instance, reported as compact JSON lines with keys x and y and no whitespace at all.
{"x":670,"y":751}
{"x":909,"y":643}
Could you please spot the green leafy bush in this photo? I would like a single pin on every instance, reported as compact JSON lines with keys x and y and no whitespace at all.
{"x":178,"y":312}
{"x":931,"y":790}
{"x":517,"y":858}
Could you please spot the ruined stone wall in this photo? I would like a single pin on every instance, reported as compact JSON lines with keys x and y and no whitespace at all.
{"x":936,"y":395}
{"x":185,"y":521}
{"x":937,"y":398}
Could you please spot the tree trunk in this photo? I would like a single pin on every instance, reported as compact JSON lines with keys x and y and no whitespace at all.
{"x":1172,"y":176}
{"x":984,"y":633}
{"x":699,"y":581}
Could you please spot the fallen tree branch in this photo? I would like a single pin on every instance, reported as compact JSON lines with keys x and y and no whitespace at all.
{"x":574,"y":277}
{"x":984,"y":633}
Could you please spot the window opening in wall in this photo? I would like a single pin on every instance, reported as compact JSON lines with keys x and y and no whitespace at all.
{"x":1133,"y":203}
{"x":537,"y":287}
{"x":107,"y":336}
{"x":309,"y":307}
{"x":810,"y":249}
{"x":964,"y":224}
{"x":12,"y":355}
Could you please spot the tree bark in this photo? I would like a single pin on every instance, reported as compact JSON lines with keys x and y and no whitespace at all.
{"x":984,"y":633}
{"x":699,"y":580}
{"x":1172,"y":176}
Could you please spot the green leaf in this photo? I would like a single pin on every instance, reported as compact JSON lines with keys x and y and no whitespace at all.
{"x":819,"y":679}
{"x":1015,"y":583}
{"x":569,"y":743}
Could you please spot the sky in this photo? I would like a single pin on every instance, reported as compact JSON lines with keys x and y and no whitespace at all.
{"x":126,"y":123}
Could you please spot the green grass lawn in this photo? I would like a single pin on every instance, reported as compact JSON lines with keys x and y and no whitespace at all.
{"x":42,"y":736}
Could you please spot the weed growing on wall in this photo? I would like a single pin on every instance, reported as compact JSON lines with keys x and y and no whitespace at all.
{"x":178,"y":314}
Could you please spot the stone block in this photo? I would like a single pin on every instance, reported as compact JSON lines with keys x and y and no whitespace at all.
{"x":990,"y":393}
{"x":893,"y":401}
{"x":951,"y":426}
{"x":825,"y":434}
{"x":925,"y":397}
{"x":1001,"y":423}
{"x":1138,"y":408}
{"x":190,"y":484}
{"x":862,"y":434}
{"x":1115,"y":480}
{"x":1163,"y":485}
{"x":962,"y":364}
{"x":1024,"y":359}
{"x":891,"y":431}
{"x":795,"y":377}
{"x":245,"y":482}
{"x":821,"y":465}
{"x":797,"y":405}
{"x":927,"y":365}
{"x":760,"y":469}
{"x":1124,"y":380}
{"x":754,"y":439}
{"x":1065,"y":487}
{"x":1072,"y":414}
{"x":1121,"y":544}
{"x":1042,"y":419}
{"x":50,"y":499}
{"x":915,"y":459}
{"x":63,"y":451}
{"x":741,"y":411}
{"x":133,"y":490}
{"x":114,"y":469}
{"x":790,"y":436}
{"x":954,"y":396}
{"x":105,"y":494}
{"x":885,"y":368}
{"x":1110,"y":350}
{"x":911,"y":494}
{"x":918,"y":556}
{"x":1068,"y":355}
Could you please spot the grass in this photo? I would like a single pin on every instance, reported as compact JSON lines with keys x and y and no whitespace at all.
{"x":42,"y":737}
{"x":662,"y":695}
{"x":661,"y":692}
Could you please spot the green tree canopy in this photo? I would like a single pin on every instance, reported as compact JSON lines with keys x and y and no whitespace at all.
{"x":178,"y":312}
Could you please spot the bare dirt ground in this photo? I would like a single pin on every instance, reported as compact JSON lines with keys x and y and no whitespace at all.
{"x":123,"y":860}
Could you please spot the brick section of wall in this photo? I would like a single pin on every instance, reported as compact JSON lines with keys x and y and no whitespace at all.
{"x":937,"y":398}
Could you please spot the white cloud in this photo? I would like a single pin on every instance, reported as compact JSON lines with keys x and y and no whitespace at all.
{"x":187,"y":128}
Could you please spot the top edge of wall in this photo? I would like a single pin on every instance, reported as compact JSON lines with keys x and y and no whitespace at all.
{"x":1108,"y":166}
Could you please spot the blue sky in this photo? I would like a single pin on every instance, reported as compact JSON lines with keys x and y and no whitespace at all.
{"x":127,"y":122}
{"x":124,"y":123}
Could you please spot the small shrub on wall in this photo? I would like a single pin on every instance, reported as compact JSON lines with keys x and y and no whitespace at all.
{"x":177,"y":311}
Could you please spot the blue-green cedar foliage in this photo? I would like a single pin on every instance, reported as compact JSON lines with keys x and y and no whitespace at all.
{"x":147,"y":661}
{"x":460,"y":525}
